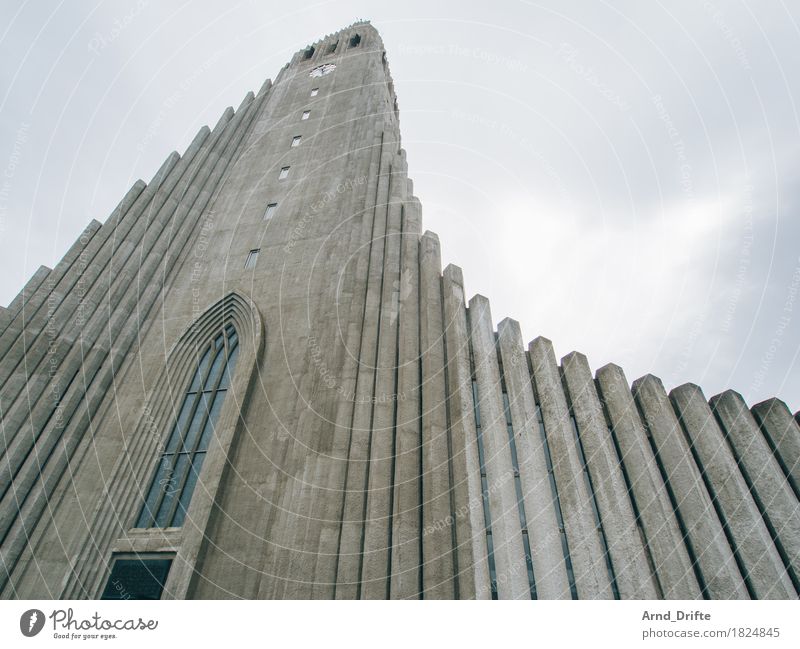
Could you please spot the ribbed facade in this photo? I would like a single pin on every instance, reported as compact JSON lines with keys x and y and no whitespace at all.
{"x":377,"y":435}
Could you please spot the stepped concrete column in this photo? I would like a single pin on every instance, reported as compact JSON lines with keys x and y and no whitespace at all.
{"x":668,"y":553}
{"x":472,"y":552}
{"x":509,"y":555}
{"x":783,"y":434}
{"x":549,"y":569}
{"x":704,"y":530}
{"x":37,"y":280}
{"x":121,"y":331}
{"x":437,"y":515}
{"x":354,"y":302}
{"x":352,"y":525}
{"x":628,"y":555}
{"x":377,"y":526}
{"x":585,"y":548}
{"x":769,"y":486}
{"x":762,"y":564}
{"x":406,"y":557}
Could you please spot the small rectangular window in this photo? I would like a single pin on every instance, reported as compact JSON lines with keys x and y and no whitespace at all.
{"x":137,"y":577}
{"x":270,"y":211}
{"x":306,"y":114}
{"x":355,"y":41}
{"x":284,"y":173}
{"x":296,"y":140}
{"x":314,"y":92}
{"x":252,"y":258}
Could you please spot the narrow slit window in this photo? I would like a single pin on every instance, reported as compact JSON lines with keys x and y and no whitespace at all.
{"x":306,"y":114}
{"x":284,"y":173}
{"x":314,"y":92}
{"x":178,"y":468}
{"x":296,"y":140}
{"x":252,"y":259}
{"x":332,"y":47}
{"x":270,"y":211}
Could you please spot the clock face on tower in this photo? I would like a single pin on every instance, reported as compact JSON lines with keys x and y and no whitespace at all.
{"x":321,"y":70}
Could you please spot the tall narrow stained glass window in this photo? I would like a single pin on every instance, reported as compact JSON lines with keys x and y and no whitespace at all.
{"x":179,"y":465}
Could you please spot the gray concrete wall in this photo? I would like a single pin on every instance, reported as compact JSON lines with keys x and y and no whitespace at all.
{"x":346,"y":460}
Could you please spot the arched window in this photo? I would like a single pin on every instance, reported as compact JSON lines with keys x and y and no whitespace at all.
{"x":179,"y":465}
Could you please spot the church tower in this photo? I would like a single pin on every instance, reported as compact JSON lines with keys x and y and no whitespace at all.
{"x":255,"y":380}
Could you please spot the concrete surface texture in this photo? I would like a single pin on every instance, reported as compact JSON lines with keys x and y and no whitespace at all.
{"x":373,"y":436}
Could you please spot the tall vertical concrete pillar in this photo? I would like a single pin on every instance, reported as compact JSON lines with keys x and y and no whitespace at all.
{"x":628,"y":556}
{"x":472,"y":552}
{"x":512,"y":576}
{"x":662,"y":533}
{"x":406,"y":555}
{"x":586,"y":550}
{"x":769,"y":486}
{"x":703,"y":528}
{"x":348,"y":581}
{"x":379,"y":488}
{"x":783,"y":434}
{"x":762,"y":564}
{"x":7,"y":314}
{"x":352,"y":371}
{"x":437,"y":515}
{"x":549,"y":568}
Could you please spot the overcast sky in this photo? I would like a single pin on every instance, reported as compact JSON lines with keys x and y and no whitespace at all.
{"x":622,"y":178}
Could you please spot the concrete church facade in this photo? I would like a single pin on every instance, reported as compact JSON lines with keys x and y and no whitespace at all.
{"x":255,"y":380}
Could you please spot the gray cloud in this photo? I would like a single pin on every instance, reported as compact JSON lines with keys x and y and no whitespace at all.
{"x":621,"y":179}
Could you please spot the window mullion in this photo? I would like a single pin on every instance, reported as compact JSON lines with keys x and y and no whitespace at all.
{"x":197,"y":400}
{"x":203,"y":422}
